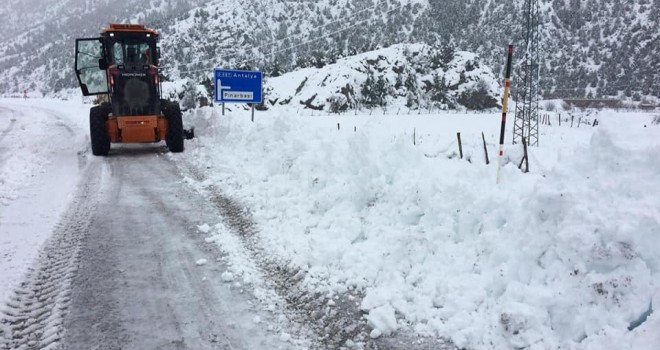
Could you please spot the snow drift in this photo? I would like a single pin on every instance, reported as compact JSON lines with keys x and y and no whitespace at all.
{"x":559,"y":258}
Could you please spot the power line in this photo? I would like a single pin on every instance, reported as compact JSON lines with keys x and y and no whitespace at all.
{"x":278,"y":40}
{"x":303,"y":43}
{"x":353,"y":15}
{"x":589,"y":87}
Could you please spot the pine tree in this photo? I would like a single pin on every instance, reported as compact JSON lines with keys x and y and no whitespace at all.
{"x":411,"y":83}
{"x":439,"y":89}
{"x":275,"y":69}
{"x":375,"y":90}
{"x":189,"y":99}
{"x":412,"y":100}
{"x":399,"y":81}
{"x":367,"y":90}
{"x":447,"y":53}
{"x":382,"y":90}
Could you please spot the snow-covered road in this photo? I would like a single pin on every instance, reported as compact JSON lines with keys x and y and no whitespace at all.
{"x":121,"y":264}
{"x":142,"y":282}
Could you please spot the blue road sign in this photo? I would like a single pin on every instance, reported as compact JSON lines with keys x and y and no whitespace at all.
{"x":238,"y":86}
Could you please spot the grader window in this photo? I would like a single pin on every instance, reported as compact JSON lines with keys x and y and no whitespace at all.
{"x":89,"y":69}
{"x":131,"y":52}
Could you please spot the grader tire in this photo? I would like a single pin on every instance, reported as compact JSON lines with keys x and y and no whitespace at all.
{"x":174,"y":137}
{"x":98,"y":131}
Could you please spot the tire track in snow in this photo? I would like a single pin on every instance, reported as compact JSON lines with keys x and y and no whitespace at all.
{"x":4,"y":154}
{"x":8,"y":129}
{"x":33,"y":317}
{"x":336,"y":326}
{"x":60,"y":119}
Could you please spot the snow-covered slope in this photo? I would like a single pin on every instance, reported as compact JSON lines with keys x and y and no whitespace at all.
{"x":403,"y":76}
{"x":38,"y":36}
{"x":597,"y":47}
{"x":413,"y":76}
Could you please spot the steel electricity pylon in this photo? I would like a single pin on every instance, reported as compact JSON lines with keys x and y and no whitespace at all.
{"x":526,"y":122}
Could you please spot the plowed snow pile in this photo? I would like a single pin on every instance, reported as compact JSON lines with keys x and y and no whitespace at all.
{"x":566,"y":256}
{"x":42,"y":153}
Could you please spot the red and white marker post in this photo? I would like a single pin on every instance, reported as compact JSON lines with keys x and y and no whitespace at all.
{"x":505,"y":103}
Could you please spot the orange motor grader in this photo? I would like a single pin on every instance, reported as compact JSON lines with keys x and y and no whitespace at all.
{"x":122,"y":64}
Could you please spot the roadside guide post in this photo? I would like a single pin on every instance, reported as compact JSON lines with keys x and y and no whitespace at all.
{"x":507,"y":85}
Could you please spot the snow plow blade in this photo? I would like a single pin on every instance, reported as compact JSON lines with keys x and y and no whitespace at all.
{"x":189,"y":134}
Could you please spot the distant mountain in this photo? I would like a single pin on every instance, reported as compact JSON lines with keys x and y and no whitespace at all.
{"x":37,"y":37}
{"x":590,"y":48}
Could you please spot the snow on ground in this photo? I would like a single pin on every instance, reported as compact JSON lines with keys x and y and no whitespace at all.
{"x":40,"y":158}
{"x":565,"y":256}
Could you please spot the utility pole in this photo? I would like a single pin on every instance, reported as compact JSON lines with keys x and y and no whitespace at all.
{"x":526,"y":122}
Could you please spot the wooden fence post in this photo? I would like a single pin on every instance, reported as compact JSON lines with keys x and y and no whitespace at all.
{"x":485,"y":148}
{"x":460,"y":145}
{"x":525,"y":158}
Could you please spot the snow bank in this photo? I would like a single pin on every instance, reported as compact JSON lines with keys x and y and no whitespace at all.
{"x":563,"y":257}
{"x":43,"y":147}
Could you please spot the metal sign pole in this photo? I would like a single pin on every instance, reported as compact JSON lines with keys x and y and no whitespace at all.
{"x":253,"y":112}
{"x":223,"y":109}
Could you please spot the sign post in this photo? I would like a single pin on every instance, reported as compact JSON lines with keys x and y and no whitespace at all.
{"x":238,"y":86}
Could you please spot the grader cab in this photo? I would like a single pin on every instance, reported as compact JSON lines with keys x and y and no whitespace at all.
{"x":122,"y":64}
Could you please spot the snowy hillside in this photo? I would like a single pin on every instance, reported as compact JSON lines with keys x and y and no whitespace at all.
{"x":38,"y":36}
{"x":402,"y":75}
{"x":586,"y":45}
